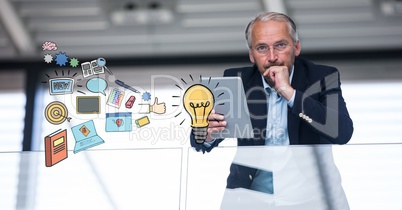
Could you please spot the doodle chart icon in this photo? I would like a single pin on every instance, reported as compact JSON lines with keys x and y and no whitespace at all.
{"x":198,"y":101}
{"x":56,"y":113}
{"x":115,"y":98}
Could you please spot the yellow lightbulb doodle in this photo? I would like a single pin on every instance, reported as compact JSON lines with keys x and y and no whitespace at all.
{"x":199,"y":101}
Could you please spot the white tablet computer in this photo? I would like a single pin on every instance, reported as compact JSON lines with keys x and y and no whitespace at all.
{"x":230,"y":101}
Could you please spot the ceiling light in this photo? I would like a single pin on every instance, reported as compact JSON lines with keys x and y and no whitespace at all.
{"x":141,"y":17}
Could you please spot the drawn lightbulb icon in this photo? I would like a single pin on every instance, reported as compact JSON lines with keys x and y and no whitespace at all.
{"x":198,"y":102}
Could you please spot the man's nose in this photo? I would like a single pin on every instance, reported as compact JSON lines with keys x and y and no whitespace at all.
{"x":272,"y":55}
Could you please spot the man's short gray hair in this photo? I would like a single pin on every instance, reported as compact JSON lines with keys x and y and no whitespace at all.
{"x":274,"y":16}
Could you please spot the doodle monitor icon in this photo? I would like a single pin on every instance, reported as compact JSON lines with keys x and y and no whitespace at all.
{"x":88,"y":104}
{"x":61,"y":86}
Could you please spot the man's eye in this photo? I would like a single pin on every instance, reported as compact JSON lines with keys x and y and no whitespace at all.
{"x":262,"y":48}
{"x":280,"y":45}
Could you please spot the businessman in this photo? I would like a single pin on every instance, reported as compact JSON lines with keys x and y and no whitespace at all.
{"x":291,"y":101}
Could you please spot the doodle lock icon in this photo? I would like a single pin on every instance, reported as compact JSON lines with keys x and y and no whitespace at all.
{"x":56,"y":113}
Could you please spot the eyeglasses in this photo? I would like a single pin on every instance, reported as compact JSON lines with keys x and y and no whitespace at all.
{"x":264,"y":49}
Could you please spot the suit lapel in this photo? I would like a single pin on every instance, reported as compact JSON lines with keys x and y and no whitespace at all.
{"x":299,"y":83}
{"x":256,"y":101}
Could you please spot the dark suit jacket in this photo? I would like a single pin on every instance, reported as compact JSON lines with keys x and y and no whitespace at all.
{"x":318,"y":116}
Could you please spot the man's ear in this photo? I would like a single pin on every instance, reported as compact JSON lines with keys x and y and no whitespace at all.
{"x":250,"y":55}
{"x":298,"y":48}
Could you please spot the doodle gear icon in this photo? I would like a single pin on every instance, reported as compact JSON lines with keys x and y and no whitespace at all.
{"x":61,"y":59}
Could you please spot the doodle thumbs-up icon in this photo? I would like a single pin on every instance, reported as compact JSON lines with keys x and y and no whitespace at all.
{"x":158,"y":108}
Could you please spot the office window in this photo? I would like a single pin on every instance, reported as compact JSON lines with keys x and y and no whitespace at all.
{"x":12,"y":110}
{"x":376,"y":110}
{"x":12,"y":113}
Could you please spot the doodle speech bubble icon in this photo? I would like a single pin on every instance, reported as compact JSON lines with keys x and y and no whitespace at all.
{"x":97,"y":85}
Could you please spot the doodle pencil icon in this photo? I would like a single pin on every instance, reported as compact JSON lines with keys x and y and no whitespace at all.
{"x":198,"y":101}
{"x":121,"y":83}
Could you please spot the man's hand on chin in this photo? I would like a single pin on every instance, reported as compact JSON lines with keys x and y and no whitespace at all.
{"x":279,"y":76}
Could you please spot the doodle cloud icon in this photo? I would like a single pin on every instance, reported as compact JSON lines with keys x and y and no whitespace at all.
{"x":61,"y":86}
{"x":198,"y":101}
{"x":97,"y":85}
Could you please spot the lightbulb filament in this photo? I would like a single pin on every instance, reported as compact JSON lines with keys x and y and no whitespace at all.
{"x":199,"y":106}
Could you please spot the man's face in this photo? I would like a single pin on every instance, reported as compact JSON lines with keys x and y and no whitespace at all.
{"x":272,"y":33}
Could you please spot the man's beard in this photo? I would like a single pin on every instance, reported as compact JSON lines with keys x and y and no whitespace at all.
{"x":274,"y":64}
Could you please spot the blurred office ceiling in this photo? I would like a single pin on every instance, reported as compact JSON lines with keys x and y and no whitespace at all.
{"x":144,"y":28}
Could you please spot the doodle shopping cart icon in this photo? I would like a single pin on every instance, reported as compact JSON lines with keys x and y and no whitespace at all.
{"x":85,"y":136}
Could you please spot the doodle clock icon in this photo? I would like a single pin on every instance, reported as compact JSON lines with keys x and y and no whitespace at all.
{"x":198,"y":101}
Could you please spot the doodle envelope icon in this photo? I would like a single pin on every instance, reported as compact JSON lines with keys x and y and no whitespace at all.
{"x":85,"y":136}
{"x":118,"y":122}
